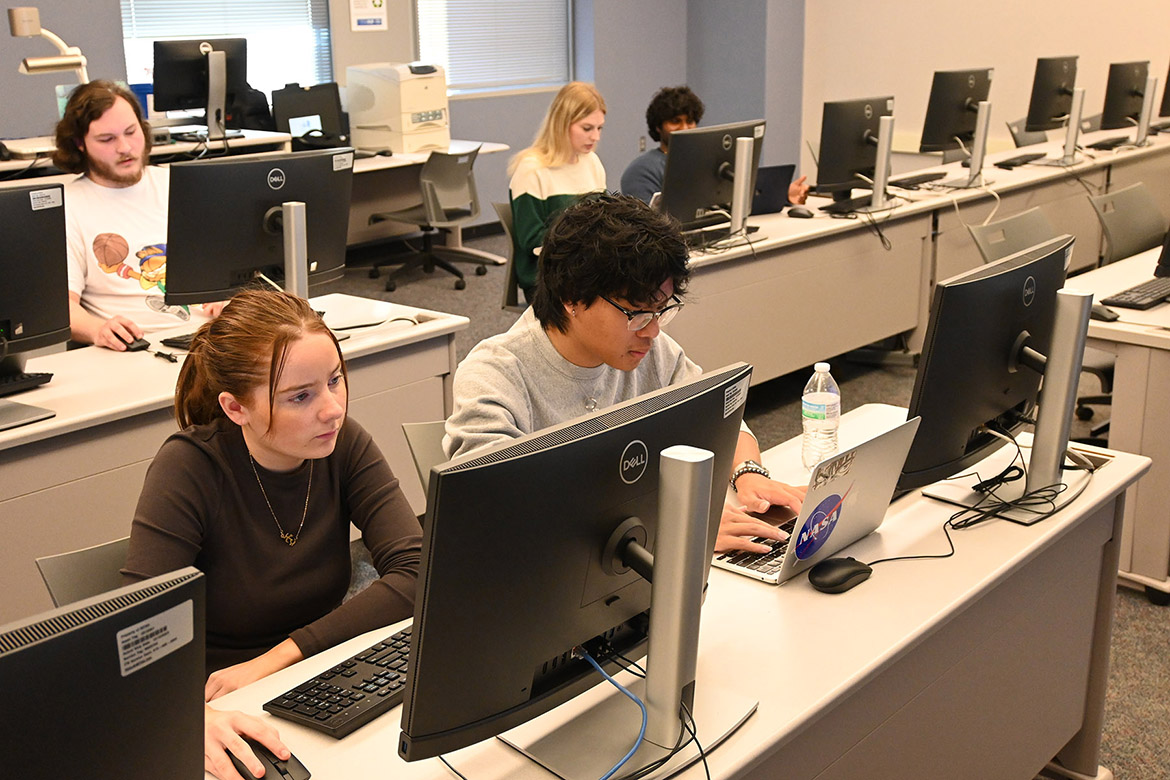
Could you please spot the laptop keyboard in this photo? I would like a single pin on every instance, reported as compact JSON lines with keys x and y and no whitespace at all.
{"x":764,"y":565}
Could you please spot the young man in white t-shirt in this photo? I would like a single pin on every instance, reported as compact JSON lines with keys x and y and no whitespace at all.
{"x":116,"y":220}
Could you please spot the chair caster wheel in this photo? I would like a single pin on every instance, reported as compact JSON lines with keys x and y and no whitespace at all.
{"x":480,"y":270}
{"x":1084,"y":413}
{"x":373,"y":273}
{"x":391,"y":286}
{"x":460,"y":284}
{"x":1157,"y":597}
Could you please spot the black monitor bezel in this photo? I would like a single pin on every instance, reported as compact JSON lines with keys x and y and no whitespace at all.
{"x":34,"y":264}
{"x":202,"y":209}
{"x":951,"y":109}
{"x":848,"y":150}
{"x":693,"y":181}
{"x":969,"y":368}
{"x":1124,"y":95}
{"x":180,"y":72}
{"x":1052,"y":92}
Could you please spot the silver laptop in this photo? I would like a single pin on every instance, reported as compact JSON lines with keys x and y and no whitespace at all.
{"x":848,"y":495}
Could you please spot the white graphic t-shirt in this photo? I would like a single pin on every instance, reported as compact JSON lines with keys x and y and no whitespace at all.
{"x":118,"y":251}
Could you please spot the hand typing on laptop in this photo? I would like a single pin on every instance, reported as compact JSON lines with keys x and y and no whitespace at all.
{"x":756,"y":494}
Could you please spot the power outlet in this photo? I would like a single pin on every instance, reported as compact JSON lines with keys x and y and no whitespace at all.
{"x":641,"y":143}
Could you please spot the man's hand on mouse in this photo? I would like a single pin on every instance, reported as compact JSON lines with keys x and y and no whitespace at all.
{"x":221,"y":733}
{"x":116,"y":332}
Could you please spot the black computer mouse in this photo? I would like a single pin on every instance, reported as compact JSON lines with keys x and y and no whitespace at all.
{"x":135,"y":345}
{"x":837,"y":575}
{"x":1102,"y":312}
{"x":800,"y":212}
{"x":274,"y":768}
{"x":385,"y":153}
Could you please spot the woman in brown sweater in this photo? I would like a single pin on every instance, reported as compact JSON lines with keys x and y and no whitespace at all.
{"x":258,"y":490}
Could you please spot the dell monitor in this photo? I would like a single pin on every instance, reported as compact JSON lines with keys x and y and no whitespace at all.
{"x":994,"y":333}
{"x":236,"y":219}
{"x":1123,"y":94}
{"x":111,"y":686}
{"x":200,"y":74}
{"x":700,"y":170}
{"x":1164,"y":109}
{"x":849,"y":152}
{"x":34,"y":298}
{"x":1052,"y":91}
{"x":957,"y":117}
{"x":1162,"y":269}
{"x":522,"y":563}
{"x":310,"y":113}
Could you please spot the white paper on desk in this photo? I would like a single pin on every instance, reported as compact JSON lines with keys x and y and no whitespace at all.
{"x":349,"y":311}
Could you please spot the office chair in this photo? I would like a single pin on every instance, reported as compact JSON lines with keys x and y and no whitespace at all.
{"x":1024,"y":137}
{"x":425,"y":440}
{"x":511,"y":300}
{"x":1091,"y":124}
{"x":1131,"y":220}
{"x":1016,"y":233}
{"x":77,"y":575}
{"x":448,"y":199}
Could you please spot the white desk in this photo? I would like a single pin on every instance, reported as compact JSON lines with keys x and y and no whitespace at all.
{"x":1139,"y":417}
{"x":249,"y":140}
{"x":389,"y":183}
{"x":74,"y":480}
{"x":984,"y":665}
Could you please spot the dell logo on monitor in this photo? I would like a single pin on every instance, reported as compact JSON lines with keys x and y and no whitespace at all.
{"x":634,"y":460}
{"x":1029,"y":290}
{"x":276,"y":178}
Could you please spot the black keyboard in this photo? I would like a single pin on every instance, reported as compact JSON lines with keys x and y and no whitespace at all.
{"x":917,"y":180}
{"x":182,"y":342}
{"x":1106,"y":144}
{"x":1143,"y":296}
{"x":1018,"y":160}
{"x":10,"y":384}
{"x":352,"y":693}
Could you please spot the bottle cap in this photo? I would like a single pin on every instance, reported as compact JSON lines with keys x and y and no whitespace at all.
{"x":823,"y":367}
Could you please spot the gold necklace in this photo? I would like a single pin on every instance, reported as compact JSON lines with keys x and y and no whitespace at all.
{"x":285,"y":536}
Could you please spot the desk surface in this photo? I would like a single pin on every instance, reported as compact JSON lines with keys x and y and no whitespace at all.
{"x":405,"y":159}
{"x":91,"y":386}
{"x":803,"y":654}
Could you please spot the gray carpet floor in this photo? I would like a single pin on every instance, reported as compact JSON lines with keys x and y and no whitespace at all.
{"x":1136,"y":743}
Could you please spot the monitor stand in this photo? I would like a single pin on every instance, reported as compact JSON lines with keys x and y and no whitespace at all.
{"x":1061,"y":370}
{"x":288,"y":219}
{"x":12,"y":413}
{"x":1069,"y":155}
{"x":585,"y":737}
{"x":975,"y":179}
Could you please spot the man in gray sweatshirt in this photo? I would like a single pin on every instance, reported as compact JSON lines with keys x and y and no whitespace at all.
{"x":612,"y":273}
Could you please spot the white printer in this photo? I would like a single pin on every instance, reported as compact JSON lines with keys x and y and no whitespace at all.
{"x":400,"y":106}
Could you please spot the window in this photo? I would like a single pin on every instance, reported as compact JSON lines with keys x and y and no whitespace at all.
{"x":488,"y":45}
{"x":288,"y":40}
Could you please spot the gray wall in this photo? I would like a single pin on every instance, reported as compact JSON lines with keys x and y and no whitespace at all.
{"x":28,"y":105}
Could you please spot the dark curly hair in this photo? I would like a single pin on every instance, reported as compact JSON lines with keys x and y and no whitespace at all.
{"x":611,"y":245}
{"x":670,"y":102}
{"x":86,"y":105}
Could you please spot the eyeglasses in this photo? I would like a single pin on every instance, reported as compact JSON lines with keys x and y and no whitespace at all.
{"x":638,"y":319}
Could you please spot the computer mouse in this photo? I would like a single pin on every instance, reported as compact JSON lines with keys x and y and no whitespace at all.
{"x":837,"y":575}
{"x":135,"y":345}
{"x":800,"y":212}
{"x":1102,"y":312}
{"x":274,"y":768}
{"x":385,"y":153}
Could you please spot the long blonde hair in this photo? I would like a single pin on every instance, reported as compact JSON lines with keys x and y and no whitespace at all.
{"x":575,"y":101}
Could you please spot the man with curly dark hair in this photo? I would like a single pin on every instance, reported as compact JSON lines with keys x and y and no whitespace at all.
{"x":612,"y":272}
{"x":116,"y":219}
{"x":670,"y":110}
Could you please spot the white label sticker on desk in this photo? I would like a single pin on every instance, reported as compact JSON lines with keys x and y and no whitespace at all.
{"x":143,"y":643}
{"x":734,"y":397}
{"x":45,"y":199}
{"x":343,"y":162}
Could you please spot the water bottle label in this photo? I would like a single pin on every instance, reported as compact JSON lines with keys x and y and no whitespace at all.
{"x":812,"y":410}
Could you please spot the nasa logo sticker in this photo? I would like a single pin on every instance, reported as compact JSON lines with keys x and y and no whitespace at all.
{"x":819,"y":526}
{"x":635,"y":458}
{"x":276,"y":178}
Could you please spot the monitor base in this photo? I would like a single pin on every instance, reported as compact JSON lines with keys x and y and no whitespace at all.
{"x":960,"y":491}
{"x":966,"y":183}
{"x":583,"y":738}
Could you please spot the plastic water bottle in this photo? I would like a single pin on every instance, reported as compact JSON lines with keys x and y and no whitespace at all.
{"x":820,"y":411}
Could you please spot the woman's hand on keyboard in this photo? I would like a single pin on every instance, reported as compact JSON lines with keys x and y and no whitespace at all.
{"x":737,"y":529}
